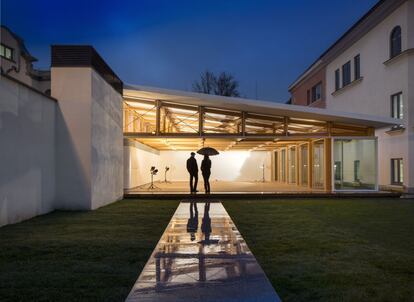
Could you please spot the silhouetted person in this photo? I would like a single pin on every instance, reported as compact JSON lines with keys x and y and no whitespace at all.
{"x":192,"y":168}
{"x":192,"y":223}
{"x":206,"y":171}
{"x":206,"y":223}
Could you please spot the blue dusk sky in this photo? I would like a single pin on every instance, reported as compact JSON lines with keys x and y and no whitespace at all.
{"x":169,"y":43}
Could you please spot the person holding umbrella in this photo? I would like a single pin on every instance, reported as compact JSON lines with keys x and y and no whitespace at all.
{"x":206,"y":165}
{"x":206,"y":171}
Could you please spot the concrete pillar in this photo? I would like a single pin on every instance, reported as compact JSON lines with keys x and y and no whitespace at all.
{"x":89,"y":157}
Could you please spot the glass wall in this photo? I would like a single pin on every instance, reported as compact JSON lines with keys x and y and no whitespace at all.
{"x":355,"y":164}
{"x":318,"y":172}
{"x":304,"y":165}
{"x":292,"y":165}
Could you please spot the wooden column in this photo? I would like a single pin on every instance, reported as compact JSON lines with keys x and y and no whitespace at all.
{"x":329,"y":128}
{"x":200,"y":120}
{"x":158,"y":117}
{"x":286,"y":125}
{"x":310,"y":165}
{"x":243,"y":123}
{"x":328,"y":164}
{"x":297,"y":165}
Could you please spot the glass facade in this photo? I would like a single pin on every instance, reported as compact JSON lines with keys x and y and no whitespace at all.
{"x":304,"y":165}
{"x":355,"y":164}
{"x":318,"y":164}
{"x":292,"y":165}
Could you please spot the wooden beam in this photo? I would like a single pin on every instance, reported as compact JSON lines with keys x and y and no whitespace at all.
{"x":269,"y":118}
{"x":222,"y":112}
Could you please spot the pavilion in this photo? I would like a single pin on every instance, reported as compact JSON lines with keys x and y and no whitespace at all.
{"x":264,"y":146}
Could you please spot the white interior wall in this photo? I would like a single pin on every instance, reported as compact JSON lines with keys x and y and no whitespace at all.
{"x":138,"y":159}
{"x":228,"y":166}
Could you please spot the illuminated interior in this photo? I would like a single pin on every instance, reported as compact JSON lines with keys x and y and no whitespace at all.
{"x":296,"y":150}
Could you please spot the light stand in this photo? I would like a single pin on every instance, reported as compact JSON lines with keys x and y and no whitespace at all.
{"x":153,"y":172}
{"x":165,"y":174}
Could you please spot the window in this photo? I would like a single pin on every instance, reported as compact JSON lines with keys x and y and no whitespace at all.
{"x":6,"y":52}
{"x":317,"y":92}
{"x":397,"y":106}
{"x":357,"y":67}
{"x":397,"y":171}
{"x":346,"y":74}
{"x":338,"y":171}
{"x":337,"y":80}
{"x":308,"y":97}
{"x":395,"y":42}
{"x":357,"y":170}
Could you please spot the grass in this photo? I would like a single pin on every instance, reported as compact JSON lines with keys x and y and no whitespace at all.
{"x":332,"y":250}
{"x":80,"y":256}
{"x":311,"y":249}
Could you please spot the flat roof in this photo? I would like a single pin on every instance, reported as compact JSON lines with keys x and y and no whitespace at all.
{"x":255,"y":106}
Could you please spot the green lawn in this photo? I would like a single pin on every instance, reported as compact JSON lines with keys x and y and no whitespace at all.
{"x":80,"y":256}
{"x":311,"y":249}
{"x":332,"y":250}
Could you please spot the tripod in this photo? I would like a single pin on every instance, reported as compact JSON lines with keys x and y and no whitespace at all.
{"x":152,"y":186}
{"x":165,"y":175}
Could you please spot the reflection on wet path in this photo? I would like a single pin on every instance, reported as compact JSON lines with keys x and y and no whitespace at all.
{"x":202,"y":257}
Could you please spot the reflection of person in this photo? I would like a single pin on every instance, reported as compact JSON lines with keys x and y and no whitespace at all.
{"x":206,"y":171}
{"x":206,"y":223}
{"x":192,"y":223}
{"x":192,"y":168}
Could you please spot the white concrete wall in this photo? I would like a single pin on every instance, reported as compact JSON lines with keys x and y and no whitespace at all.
{"x":73,"y":88}
{"x":107,"y":143}
{"x":380,"y":81}
{"x":228,"y":166}
{"x":27,"y":153}
{"x":89,"y":136}
{"x":138,"y":159}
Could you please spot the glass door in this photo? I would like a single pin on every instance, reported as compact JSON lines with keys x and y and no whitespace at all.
{"x":292,"y":165}
{"x":318,"y":164}
{"x":304,"y":165}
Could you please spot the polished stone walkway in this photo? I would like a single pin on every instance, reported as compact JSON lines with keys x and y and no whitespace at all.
{"x":202,"y":257}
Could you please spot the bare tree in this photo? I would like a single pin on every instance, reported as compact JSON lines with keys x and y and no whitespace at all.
{"x":224,"y":84}
{"x":207,"y":83}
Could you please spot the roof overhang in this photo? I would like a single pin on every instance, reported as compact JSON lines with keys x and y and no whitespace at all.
{"x":255,"y":106}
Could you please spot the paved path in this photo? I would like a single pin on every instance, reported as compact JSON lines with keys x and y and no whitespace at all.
{"x":202,"y":257}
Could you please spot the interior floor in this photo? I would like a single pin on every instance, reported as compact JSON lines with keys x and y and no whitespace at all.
{"x":218,"y":186}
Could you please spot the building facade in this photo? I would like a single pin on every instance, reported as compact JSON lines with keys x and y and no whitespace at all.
{"x":17,"y":62}
{"x":370,"y":70}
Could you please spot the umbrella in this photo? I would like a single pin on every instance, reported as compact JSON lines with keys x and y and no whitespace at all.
{"x":208,"y":151}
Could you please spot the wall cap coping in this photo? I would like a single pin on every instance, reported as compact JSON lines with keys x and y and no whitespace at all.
{"x":27,"y":86}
